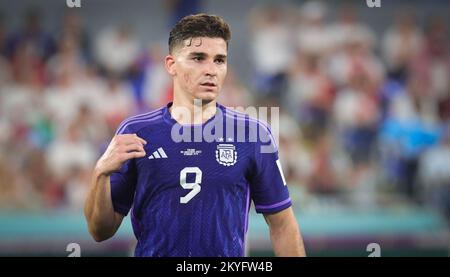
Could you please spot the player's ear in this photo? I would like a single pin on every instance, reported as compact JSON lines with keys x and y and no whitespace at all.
{"x":170,"y":64}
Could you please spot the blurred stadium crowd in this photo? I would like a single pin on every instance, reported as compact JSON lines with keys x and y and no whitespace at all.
{"x":365,"y":117}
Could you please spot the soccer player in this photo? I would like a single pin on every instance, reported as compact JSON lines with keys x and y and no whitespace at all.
{"x":189,"y":197}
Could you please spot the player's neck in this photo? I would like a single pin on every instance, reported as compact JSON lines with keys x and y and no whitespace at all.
{"x":192,"y":111}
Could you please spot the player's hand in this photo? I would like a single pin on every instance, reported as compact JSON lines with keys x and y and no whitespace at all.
{"x":120,"y":149}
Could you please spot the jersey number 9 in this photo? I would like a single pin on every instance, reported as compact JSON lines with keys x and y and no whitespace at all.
{"x":194,"y":187}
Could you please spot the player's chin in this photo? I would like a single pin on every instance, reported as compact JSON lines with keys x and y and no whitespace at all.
{"x":207,"y":96}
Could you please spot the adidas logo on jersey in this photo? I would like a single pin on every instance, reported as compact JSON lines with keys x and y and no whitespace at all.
{"x":158,"y":154}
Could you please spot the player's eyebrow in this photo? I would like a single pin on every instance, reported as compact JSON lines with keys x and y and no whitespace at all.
{"x":203,"y":55}
{"x":221,"y":56}
{"x":197,"y":54}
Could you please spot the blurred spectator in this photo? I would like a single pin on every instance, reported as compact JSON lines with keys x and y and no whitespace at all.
{"x":409,"y":130}
{"x":17,"y":101}
{"x":42,"y":180}
{"x":434,"y":174}
{"x":68,"y":61}
{"x":63,"y":98}
{"x":5,"y":74}
{"x":357,"y":54}
{"x":27,"y":67}
{"x":357,"y":114}
{"x":15,"y":190}
{"x":73,"y":27}
{"x":401,"y":44}
{"x":118,"y":103}
{"x":295,"y":162}
{"x":347,"y":27}
{"x":310,"y":95}
{"x":76,"y":188}
{"x":31,"y":36}
{"x":234,"y":93}
{"x":90,"y":125}
{"x":117,"y":49}
{"x":152,"y":84}
{"x":71,"y":150}
{"x":311,"y":31}
{"x":271,"y":48}
{"x":433,"y":64}
{"x":323,"y":178}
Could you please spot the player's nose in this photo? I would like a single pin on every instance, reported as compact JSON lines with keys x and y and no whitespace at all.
{"x":211,"y":69}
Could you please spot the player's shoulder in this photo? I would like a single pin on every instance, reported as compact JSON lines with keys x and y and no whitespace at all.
{"x":247,"y":118}
{"x":134,"y":123}
{"x":257,"y":130}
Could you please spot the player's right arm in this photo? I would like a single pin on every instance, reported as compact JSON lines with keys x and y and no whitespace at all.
{"x":102,"y":220}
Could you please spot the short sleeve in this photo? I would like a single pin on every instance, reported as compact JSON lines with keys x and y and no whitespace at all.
{"x":268,"y":187}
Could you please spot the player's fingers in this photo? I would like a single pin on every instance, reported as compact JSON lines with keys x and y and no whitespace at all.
{"x":131,"y":141}
{"x":140,"y":139}
{"x":132,"y":155}
{"x":134,"y":147}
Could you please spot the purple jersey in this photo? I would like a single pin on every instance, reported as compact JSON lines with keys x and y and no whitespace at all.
{"x":192,"y":198}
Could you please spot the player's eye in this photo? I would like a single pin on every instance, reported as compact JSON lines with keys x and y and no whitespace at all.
{"x":197,"y":59}
{"x":219,"y":61}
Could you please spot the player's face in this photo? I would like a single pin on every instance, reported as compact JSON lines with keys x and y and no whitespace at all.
{"x":199,"y":67}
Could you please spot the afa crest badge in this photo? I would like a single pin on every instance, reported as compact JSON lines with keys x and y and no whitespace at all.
{"x":226,"y":154}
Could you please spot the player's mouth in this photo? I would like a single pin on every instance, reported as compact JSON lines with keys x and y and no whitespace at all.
{"x":208,"y":85}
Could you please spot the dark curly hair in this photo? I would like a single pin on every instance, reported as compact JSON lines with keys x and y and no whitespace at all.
{"x":198,"y":25}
